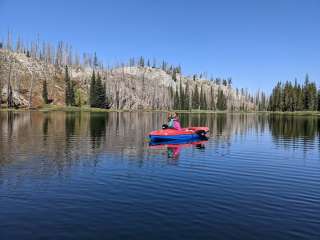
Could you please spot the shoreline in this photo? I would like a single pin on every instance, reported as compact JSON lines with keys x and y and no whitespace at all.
{"x":97,"y":110}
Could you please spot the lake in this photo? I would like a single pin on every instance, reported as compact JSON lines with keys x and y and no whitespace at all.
{"x":95,"y":176}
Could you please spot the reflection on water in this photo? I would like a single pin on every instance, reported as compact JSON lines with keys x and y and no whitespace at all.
{"x":295,"y":131}
{"x":98,"y":123}
{"x":96,"y":174}
{"x":69,"y":134}
{"x":173,"y":148}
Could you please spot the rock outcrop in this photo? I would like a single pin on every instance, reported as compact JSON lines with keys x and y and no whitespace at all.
{"x":127,"y":87}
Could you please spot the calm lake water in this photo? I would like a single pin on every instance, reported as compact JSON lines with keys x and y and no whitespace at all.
{"x":94,"y":176}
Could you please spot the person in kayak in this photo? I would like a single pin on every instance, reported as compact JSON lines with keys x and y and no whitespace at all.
{"x":174,"y":122}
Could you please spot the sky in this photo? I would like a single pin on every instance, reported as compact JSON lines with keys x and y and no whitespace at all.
{"x":257,"y":43}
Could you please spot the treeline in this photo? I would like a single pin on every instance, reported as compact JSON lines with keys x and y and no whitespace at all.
{"x":185,"y":99}
{"x":63,"y":54}
{"x":295,"y":97}
{"x":60,"y":54}
{"x":98,"y":97}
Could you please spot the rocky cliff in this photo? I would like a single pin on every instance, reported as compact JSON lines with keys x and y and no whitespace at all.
{"x":126,"y":87}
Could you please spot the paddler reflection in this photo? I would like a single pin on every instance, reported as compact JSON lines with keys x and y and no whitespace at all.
{"x":173,"y":149}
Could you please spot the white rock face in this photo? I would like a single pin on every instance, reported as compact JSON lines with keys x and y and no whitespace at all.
{"x":127,"y":87}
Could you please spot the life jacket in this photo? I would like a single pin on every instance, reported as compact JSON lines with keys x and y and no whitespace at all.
{"x":170,"y":123}
{"x":176,"y":124}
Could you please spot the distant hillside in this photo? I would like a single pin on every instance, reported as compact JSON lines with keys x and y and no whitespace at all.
{"x":127,"y":87}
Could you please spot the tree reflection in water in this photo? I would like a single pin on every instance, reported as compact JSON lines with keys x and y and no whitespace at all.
{"x":68,"y":137}
{"x":294,"y":131}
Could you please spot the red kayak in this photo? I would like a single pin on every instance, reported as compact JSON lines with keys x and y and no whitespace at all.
{"x":174,"y":144}
{"x":170,"y":134}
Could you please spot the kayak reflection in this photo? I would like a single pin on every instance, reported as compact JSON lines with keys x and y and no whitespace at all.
{"x":173,"y":148}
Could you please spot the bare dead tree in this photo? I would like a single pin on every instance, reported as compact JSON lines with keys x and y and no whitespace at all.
{"x":9,"y":41}
{"x":31,"y":90}
{"x":77,"y":60}
{"x":1,"y":82}
{"x":31,"y":85}
{"x":33,"y":50}
{"x":117,"y":96}
{"x":122,"y":72}
{"x":19,"y":45}
{"x":48,"y":53}
{"x":59,"y":54}
{"x":143,"y":80}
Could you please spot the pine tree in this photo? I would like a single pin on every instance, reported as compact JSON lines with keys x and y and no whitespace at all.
{"x":78,"y":98}
{"x":313,"y":97}
{"x":174,"y":75}
{"x":100,"y":93}
{"x":295,"y":96}
{"x":95,"y":61}
{"x":164,"y":66}
{"x":67,"y":82}
{"x":194,"y":77}
{"x":178,"y":69}
{"x":306,"y":100}
{"x":176,"y":100}
{"x":45,"y":92}
{"x":72,"y":94}
{"x":69,"y":92}
{"x":299,"y":98}
{"x":181,"y":97}
{"x":141,"y":62}
{"x":195,"y":98}
{"x":224,"y":82}
{"x":187,"y":97}
{"x":229,"y":82}
{"x":309,"y":95}
{"x":288,"y":97}
{"x":318,"y":107}
{"x":222,"y":101}
{"x":263,"y":102}
{"x":93,"y":101}
{"x":10,"y":101}
{"x":202,"y":99}
{"x":276,"y":98}
{"x":212,"y":104}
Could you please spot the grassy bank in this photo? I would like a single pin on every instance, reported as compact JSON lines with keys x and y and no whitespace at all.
{"x":52,"y":108}
{"x":298,"y":113}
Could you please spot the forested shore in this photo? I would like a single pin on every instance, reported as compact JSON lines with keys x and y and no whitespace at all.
{"x":293,"y":97}
{"x":41,"y":76}
{"x":36,"y":74}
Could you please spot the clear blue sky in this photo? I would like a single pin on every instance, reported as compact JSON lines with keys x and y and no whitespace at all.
{"x":255,"y":42}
